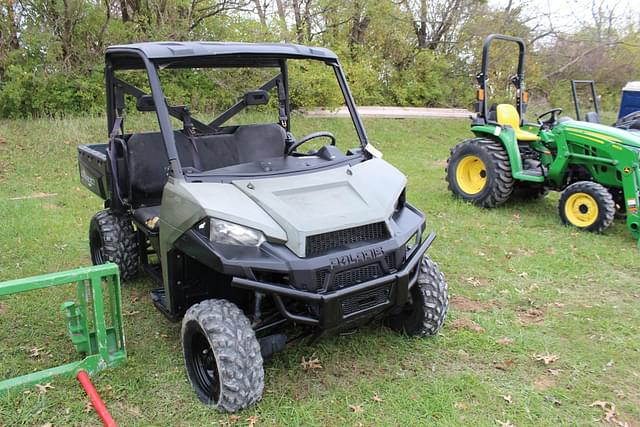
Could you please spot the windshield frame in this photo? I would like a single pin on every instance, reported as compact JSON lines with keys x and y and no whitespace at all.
{"x":115,"y":108}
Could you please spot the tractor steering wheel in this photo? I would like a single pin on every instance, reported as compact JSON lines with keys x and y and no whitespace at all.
{"x":552,"y":120}
{"x":321,"y":134}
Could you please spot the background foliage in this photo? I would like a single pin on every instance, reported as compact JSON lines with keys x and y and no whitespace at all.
{"x":396,"y":52}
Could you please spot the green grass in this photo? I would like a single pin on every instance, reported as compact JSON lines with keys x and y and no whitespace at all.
{"x":582,"y":289}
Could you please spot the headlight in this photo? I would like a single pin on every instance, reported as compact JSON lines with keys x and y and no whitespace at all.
{"x":232,"y":234}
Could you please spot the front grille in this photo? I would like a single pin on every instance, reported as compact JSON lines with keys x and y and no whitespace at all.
{"x":365,"y":300}
{"x":321,"y":243}
{"x":390,"y":259}
{"x":350,"y":277}
{"x":356,"y":275}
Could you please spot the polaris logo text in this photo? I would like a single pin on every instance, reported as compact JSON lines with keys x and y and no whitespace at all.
{"x":356,"y":258}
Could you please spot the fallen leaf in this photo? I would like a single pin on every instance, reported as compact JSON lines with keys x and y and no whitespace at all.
{"x":252,"y":420}
{"x":460,"y":405}
{"x":507,"y":398}
{"x":130,"y":313}
{"x":311,"y":364}
{"x":377,"y":398}
{"x":553,"y":400}
{"x":47,"y":425}
{"x":547,"y":359}
{"x":466,"y":323}
{"x":3,"y":308}
{"x":619,"y":394}
{"x":36,"y":352}
{"x":609,"y":412}
{"x":504,"y":365}
{"x":523,"y":274}
{"x":554,"y":372}
{"x":358,"y":409}
{"x":530,"y":315}
{"x":88,"y":407}
{"x":234,"y":418}
{"x":43,"y":388}
{"x":505,"y":341}
{"x":505,"y":423}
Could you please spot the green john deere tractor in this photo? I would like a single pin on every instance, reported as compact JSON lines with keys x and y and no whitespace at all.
{"x":595,"y":166}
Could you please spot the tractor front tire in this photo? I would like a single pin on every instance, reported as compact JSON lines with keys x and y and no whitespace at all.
{"x":424,"y":314}
{"x":479,"y":171}
{"x":113,"y":239}
{"x":588,"y":206}
{"x":222,"y":355}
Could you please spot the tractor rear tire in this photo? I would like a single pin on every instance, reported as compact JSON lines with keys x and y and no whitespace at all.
{"x":588,"y":206}
{"x":426,"y":310}
{"x":479,"y":171}
{"x":113,"y":239}
{"x":222,"y":355}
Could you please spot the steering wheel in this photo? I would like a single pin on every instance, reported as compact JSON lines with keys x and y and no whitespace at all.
{"x":321,"y":134}
{"x":552,"y":120}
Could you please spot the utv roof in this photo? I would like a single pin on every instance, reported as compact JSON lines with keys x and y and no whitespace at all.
{"x":214,"y":54}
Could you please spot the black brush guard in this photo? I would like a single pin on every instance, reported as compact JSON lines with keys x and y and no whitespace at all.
{"x":349,"y":304}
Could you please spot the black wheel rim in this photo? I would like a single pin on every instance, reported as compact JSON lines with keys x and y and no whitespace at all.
{"x":205,"y":367}
{"x":95,"y":242}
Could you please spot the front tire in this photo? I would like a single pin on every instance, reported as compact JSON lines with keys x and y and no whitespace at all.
{"x":588,"y":206}
{"x":424,"y":314}
{"x":222,"y":355}
{"x":113,"y":239}
{"x":479,"y":171}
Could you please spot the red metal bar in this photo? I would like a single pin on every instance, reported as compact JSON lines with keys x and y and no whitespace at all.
{"x":97,"y":402}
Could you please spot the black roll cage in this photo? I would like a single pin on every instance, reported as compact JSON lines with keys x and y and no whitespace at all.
{"x":116,"y":88}
{"x":574,"y":93}
{"x":517,"y":80}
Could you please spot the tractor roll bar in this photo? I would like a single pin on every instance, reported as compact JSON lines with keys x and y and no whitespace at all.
{"x":517,"y":80}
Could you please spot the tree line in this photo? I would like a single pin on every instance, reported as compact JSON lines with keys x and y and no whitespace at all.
{"x":395,"y":52}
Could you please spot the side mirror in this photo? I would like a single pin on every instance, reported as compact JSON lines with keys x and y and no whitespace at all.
{"x":145,"y":103}
{"x":256,"y":97}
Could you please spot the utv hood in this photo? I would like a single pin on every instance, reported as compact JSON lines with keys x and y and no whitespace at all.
{"x":320,"y":202}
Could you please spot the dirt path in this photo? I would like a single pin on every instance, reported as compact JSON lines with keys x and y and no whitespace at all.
{"x":393,"y":112}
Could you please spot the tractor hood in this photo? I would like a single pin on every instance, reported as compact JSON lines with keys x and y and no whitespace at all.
{"x":601,"y":132}
{"x":329,"y":200}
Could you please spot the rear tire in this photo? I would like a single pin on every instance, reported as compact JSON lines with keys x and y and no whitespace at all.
{"x":426,"y":310}
{"x":113,"y":239}
{"x":222,"y":355}
{"x":479,"y":171}
{"x":588,"y":206}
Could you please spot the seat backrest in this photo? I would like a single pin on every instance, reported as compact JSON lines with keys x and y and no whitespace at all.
{"x":247,"y":144}
{"x":592,"y":117}
{"x":148,"y":162}
{"x":507,"y":115}
{"x":257,"y":142}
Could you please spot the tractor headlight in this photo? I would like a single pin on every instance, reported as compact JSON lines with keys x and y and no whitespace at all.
{"x":228,"y":233}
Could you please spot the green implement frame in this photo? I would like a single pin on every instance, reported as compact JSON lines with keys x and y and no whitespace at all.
{"x":103,"y":345}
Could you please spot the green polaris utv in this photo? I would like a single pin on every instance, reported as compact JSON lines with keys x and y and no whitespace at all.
{"x":594,"y":166}
{"x":249,"y":231}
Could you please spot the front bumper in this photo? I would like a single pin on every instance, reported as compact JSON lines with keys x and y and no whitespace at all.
{"x":345,"y":306}
{"x":334,"y":290}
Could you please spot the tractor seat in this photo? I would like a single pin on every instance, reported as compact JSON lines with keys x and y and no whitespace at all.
{"x":148,"y":217}
{"x":507,"y":115}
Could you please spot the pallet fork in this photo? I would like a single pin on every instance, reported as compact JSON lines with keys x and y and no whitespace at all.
{"x":103,"y":345}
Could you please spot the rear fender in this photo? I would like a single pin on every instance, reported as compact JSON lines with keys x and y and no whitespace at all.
{"x":507,"y":137}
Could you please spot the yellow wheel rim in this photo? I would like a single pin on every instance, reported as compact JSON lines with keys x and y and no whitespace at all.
{"x":581,"y":209}
{"x":471,"y":175}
